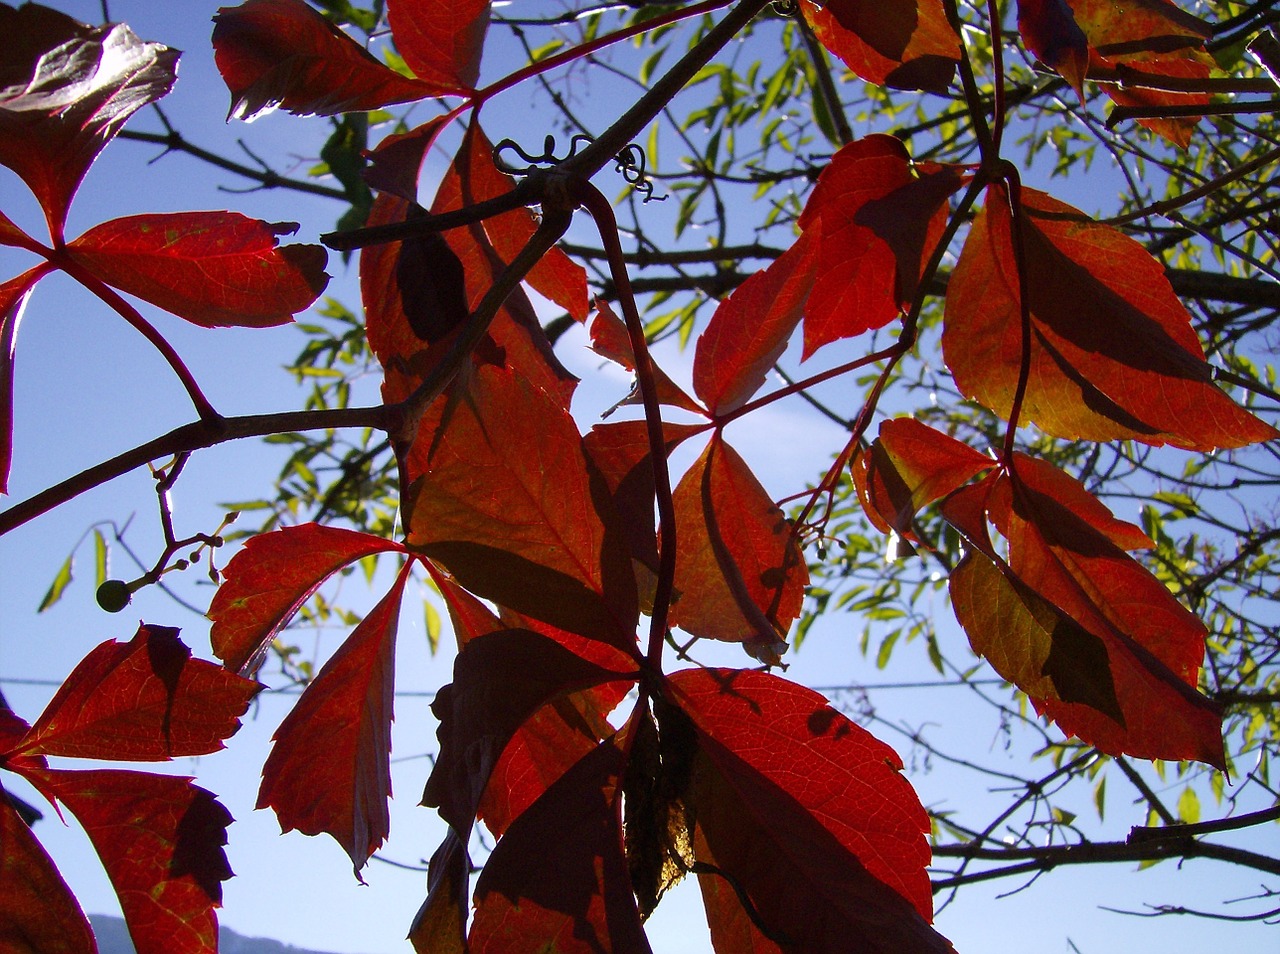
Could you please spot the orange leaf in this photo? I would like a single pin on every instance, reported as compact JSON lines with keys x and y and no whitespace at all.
{"x":1113,"y":355}
{"x":740,"y":574}
{"x":329,"y":770}
{"x":609,"y":339}
{"x":507,"y":503}
{"x":1095,"y":640}
{"x":441,"y":43}
{"x":908,"y":467}
{"x":906,"y":44}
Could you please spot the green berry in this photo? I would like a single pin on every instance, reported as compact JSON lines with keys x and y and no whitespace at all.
{"x":114,"y":595}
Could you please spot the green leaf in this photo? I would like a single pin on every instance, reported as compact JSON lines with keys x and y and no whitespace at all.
{"x":58,"y":586}
{"x":99,"y":558}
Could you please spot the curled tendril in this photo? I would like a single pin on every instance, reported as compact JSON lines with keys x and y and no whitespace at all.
{"x":786,"y":8}
{"x":548,"y":157}
{"x":631,"y":164}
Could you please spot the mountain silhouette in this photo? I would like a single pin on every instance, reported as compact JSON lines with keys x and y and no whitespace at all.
{"x":113,"y":938}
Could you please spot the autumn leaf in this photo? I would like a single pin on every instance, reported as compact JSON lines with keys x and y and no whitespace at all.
{"x":66,"y":88}
{"x":875,"y":218}
{"x":1049,"y":29}
{"x":440,"y":926}
{"x":500,"y":680}
{"x":145,"y":700}
{"x":284,"y":53}
{"x":610,"y":339}
{"x":13,"y":299}
{"x":440,"y":43}
{"x":900,"y":43}
{"x":160,"y":839}
{"x":1094,"y":639}
{"x":38,"y":912}
{"x":808,"y":814}
{"x":909,"y":466}
{"x":740,"y":574}
{"x":559,"y":874}
{"x":473,"y":178}
{"x":329,"y":770}
{"x":507,"y":503}
{"x":1112,"y":352}
{"x":395,"y":163}
{"x":269,"y":580}
{"x":750,"y":329}
{"x":211,"y":268}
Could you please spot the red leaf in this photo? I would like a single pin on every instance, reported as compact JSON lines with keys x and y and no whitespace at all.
{"x":559,"y":874}
{"x":38,"y":912}
{"x":731,"y":927}
{"x":609,"y":339}
{"x":507,"y":503}
{"x":1113,"y":355}
{"x":145,"y":700}
{"x":269,"y":580}
{"x":1148,"y":36}
{"x":329,"y":770}
{"x":160,"y":839}
{"x":13,"y":300}
{"x":394,"y":165}
{"x":500,"y":680}
{"x":908,"y":467}
{"x":740,"y":574}
{"x":620,"y":451}
{"x":211,"y":268}
{"x":809,"y":814}
{"x":474,"y":178}
{"x":900,"y":43}
{"x":66,"y":88}
{"x":1094,"y":639}
{"x":440,"y":43}
{"x":1050,"y":31}
{"x":877,"y":218}
{"x":750,"y":329}
{"x":283,"y":53}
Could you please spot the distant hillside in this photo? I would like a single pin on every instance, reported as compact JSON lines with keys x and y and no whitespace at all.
{"x":113,"y":938}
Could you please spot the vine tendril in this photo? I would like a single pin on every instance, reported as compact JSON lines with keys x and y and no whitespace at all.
{"x":630,"y":161}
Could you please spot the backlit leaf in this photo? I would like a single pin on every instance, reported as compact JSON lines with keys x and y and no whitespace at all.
{"x":13,"y":299}
{"x":909,"y":466}
{"x":740,"y":574}
{"x":507,"y":503}
{"x":160,"y":839}
{"x":500,"y":680}
{"x":1094,"y":639}
{"x":900,"y":43}
{"x":211,"y":268}
{"x":809,"y":814}
{"x":440,"y":42}
{"x":876,"y":218}
{"x":609,"y":339}
{"x":750,"y":329}
{"x":66,"y":88}
{"x":38,"y":912}
{"x":1049,"y":29}
{"x":559,"y":874}
{"x":394,"y":164}
{"x":269,"y":580}
{"x":61,"y":580}
{"x":329,"y":770}
{"x":440,"y":926}
{"x":145,"y":700}
{"x":283,"y":53}
{"x":1113,"y":354}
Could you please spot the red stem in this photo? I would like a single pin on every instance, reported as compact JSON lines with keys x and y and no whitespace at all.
{"x":997,"y":69}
